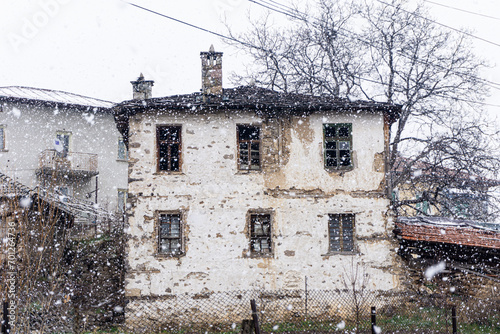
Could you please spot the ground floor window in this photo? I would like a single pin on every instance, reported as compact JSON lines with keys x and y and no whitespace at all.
{"x":260,"y":234}
{"x":341,"y":232}
{"x":170,"y":234}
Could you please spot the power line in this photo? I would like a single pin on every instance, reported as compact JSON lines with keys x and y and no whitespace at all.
{"x":272,"y":7}
{"x":356,"y":36}
{"x":441,"y":24}
{"x":192,"y":25}
{"x":440,"y":95}
{"x":463,"y":10}
{"x":247,"y":44}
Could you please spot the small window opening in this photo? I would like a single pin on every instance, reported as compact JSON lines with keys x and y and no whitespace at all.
{"x":341,"y":232}
{"x":260,"y":234}
{"x":249,"y":147}
{"x":169,"y":148}
{"x":337,"y":145}
{"x":170,"y":234}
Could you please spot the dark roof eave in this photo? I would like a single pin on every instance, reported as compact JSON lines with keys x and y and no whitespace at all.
{"x":133,"y":107}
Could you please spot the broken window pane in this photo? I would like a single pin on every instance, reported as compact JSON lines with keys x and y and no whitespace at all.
{"x":260,"y":233}
{"x":344,"y":131}
{"x":330,"y":131}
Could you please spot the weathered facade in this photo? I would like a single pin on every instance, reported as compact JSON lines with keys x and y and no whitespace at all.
{"x":253,"y":189}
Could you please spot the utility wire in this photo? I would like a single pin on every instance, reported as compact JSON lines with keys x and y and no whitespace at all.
{"x":273,"y":8}
{"x":249,"y":45}
{"x":463,"y":10}
{"x":356,"y":36}
{"x":441,"y":24}
{"x":193,"y":26}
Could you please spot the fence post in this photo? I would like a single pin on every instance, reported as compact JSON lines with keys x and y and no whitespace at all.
{"x":306,"y":295}
{"x":5,"y":318}
{"x":374,"y":319}
{"x":454,"y":319}
{"x":255,"y":316}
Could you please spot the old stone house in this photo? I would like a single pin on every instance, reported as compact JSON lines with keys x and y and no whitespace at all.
{"x":247,"y":188}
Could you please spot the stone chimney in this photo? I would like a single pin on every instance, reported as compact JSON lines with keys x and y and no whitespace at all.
{"x":142,"y":89}
{"x":211,"y":72}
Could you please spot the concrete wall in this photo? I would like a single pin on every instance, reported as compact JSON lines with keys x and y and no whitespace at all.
{"x":215,"y":198}
{"x":29,"y":130}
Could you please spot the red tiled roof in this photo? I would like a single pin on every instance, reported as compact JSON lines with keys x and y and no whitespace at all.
{"x":448,"y":231}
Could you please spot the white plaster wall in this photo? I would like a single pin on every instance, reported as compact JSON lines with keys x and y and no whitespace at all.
{"x":30,"y":130}
{"x":215,"y":198}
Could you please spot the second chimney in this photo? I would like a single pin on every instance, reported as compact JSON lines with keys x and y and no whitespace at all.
{"x":211,"y":72}
{"x":142,"y":89}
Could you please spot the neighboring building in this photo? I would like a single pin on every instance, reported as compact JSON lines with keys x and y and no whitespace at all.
{"x":65,"y":143}
{"x":465,"y":250}
{"x":246,"y":188}
{"x":21,"y":206}
{"x":430,"y":190}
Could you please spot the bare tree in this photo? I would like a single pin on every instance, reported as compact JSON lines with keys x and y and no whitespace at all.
{"x":310,"y":56}
{"x":355,"y":280}
{"x":387,"y":51}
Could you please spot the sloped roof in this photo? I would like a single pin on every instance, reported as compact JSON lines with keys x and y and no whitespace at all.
{"x":29,"y":94}
{"x":449,"y":231}
{"x":11,"y":188}
{"x":257,"y":98}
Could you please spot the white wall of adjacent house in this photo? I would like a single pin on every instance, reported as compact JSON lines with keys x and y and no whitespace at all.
{"x":215,"y":199}
{"x":30,"y":130}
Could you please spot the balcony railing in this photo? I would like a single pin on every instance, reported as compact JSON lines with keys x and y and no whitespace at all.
{"x":72,"y":163}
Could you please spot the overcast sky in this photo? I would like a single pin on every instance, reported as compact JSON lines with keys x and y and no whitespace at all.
{"x":96,"y":47}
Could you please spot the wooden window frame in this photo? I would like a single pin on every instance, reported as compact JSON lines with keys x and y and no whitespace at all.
{"x":250,"y":142}
{"x":158,"y":219}
{"x":252,"y":236}
{"x":169,"y":143}
{"x":342,"y":249}
{"x":337,"y":140}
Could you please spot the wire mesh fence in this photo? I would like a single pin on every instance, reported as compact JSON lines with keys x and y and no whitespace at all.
{"x":313,"y":311}
{"x":282,"y":311}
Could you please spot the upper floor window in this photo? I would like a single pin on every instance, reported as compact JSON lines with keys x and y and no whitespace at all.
{"x":337,"y":145}
{"x":122,"y":150}
{"x":260,"y":234}
{"x":341,"y":232}
{"x":248,"y":147}
{"x":168,"y":143}
{"x":170,"y":234}
{"x":62,"y":143}
{"x":2,"y":137}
